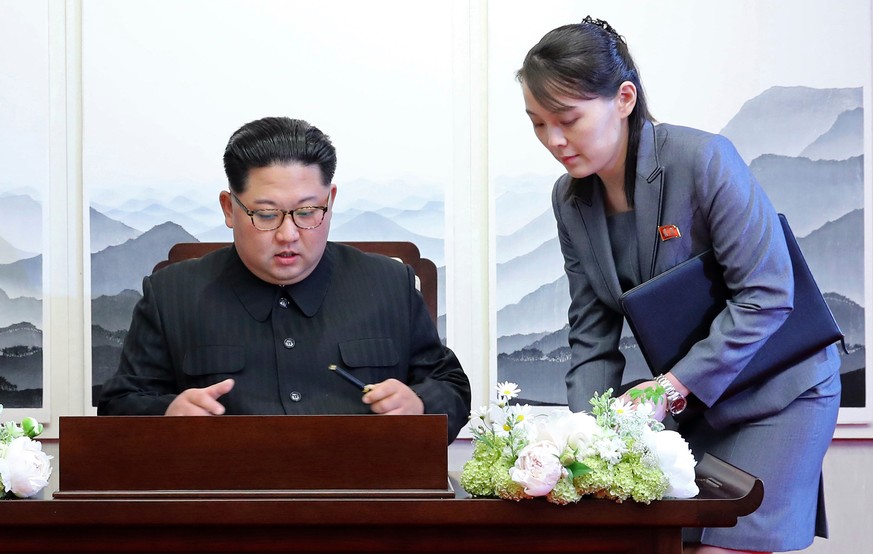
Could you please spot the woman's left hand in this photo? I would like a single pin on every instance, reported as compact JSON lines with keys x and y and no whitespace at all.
{"x":659,"y":409}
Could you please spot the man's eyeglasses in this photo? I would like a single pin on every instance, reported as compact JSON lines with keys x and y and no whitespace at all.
{"x":307,"y":217}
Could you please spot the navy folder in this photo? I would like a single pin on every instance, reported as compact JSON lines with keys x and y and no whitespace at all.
{"x":669,"y":313}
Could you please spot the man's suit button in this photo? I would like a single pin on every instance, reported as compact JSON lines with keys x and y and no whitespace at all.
{"x":289,"y":343}
{"x":283,"y":302}
{"x":295,"y":396}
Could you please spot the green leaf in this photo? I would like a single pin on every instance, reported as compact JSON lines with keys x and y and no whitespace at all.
{"x":652,"y":394}
{"x":578,"y":469}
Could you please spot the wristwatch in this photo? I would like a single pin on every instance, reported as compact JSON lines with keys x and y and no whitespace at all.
{"x":676,"y":403}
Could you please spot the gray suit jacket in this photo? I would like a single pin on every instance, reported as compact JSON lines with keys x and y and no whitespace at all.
{"x":201,"y":321}
{"x":699,"y":183}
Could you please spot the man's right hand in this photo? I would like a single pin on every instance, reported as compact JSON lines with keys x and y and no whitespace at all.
{"x":198,"y":402}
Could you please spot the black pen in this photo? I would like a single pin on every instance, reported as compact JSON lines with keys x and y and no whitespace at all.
{"x":350,"y":378}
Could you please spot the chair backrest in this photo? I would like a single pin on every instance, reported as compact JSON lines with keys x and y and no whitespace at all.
{"x":406,"y":252}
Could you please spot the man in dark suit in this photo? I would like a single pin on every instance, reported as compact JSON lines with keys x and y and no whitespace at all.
{"x":252,"y":328}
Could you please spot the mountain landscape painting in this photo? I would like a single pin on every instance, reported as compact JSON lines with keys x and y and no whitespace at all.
{"x":21,"y":324}
{"x":133,"y":229}
{"x":806,"y":148}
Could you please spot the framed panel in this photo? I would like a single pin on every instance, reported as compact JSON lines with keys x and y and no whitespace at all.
{"x":163,"y":95}
{"x":795,"y":101}
{"x":24,"y":184}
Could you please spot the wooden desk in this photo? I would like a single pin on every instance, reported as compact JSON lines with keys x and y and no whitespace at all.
{"x":436,"y":525}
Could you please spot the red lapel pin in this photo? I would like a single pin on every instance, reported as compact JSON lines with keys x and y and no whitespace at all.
{"x":668,"y":232}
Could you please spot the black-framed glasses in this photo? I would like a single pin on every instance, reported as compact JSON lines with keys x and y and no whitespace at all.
{"x":306,"y":217}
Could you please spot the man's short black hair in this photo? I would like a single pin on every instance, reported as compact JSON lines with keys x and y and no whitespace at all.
{"x":277,"y":141}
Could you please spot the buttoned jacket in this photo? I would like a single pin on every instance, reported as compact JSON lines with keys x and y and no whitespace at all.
{"x":201,"y":321}
{"x":697,"y":182}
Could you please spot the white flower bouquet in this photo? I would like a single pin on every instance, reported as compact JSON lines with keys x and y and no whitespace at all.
{"x":618,"y":451}
{"x":24,"y":467}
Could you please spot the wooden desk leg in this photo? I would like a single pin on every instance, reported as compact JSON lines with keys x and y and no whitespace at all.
{"x":668,"y":540}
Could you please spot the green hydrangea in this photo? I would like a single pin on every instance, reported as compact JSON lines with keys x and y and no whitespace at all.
{"x":638,"y":480}
{"x":650,"y":483}
{"x":503,"y":484}
{"x":564,"y":492}
{"x":630,"y":478}
{"x":476,"y":477}
{"x":595,"y":481}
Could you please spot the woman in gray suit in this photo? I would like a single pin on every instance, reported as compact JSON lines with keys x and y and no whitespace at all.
{"x":639,"y":198}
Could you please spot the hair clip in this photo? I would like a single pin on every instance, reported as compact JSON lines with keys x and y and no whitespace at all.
{"x":602,"y":24}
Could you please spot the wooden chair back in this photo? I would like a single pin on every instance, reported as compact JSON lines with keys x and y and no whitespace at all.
{"x":406,"y":252}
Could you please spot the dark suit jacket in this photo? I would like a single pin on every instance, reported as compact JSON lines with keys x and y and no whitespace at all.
{"x":698,"y":182}
{"x":202,"y":321}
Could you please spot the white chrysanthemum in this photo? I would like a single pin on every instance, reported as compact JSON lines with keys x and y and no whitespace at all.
{"x":519,"y":415}
{"x":538,"y":468}
{"x":644,"y":409}
{"x":631,"y":421}
{"x":497,"y":418}
{"x":622,"y":408}
{"x":507,"y":390}
{"x":675,"y":460}
{"x":609,"y":446}
{"x":481,"y":418}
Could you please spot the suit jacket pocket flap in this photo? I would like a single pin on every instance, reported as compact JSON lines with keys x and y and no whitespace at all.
{"x":369,"y":353}
{"x":207,"y":360}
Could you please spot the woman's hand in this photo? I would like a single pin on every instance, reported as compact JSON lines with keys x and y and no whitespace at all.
{"x":658,"y":405}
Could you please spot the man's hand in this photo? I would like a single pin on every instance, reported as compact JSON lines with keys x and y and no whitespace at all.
{"x":392,"y":397}
{"x":198,"y":402}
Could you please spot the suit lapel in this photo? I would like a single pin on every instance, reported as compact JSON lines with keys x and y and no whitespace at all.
{"x":589,"y":203}
{"x":648,"y":194}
